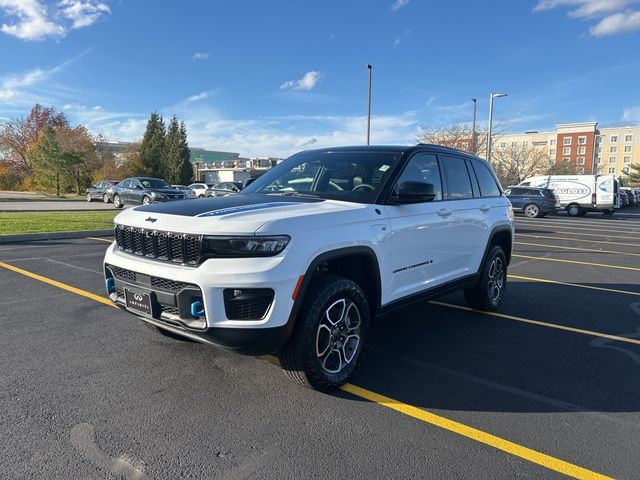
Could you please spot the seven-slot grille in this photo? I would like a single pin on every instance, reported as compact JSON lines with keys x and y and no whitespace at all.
{"x":169,"y":246}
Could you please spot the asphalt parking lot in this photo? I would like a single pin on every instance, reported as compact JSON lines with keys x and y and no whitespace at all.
{"x":548,"y":387}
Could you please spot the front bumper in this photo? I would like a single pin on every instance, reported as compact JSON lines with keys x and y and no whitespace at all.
{"x":174,"y":288}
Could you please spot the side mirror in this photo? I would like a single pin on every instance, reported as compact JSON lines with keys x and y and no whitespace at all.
{"x":139,"y":187}
{"x":413,"y":192}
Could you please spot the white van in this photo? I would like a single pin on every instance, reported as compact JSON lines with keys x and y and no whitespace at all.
{"x":579,"y":194}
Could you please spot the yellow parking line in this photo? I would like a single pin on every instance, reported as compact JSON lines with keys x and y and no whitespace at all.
{"x":590,"y":287}
{"x":55,"y":283}
{"x":100,"y":239}
{"x":578,"y":239}
{"x":603,"y":265}
{"x":598,"y":228}
{"x":480,"y":436}
{"x":512,"y":448}
{"x":540,"y":323}
{"x":593,"y":250}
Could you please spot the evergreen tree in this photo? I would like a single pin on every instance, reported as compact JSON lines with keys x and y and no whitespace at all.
{"x":44,"y":160}
{"x":153,"y":146}
{"x":634,"y":175}
{"x":171,"y":153}
{"x":186,"y":168}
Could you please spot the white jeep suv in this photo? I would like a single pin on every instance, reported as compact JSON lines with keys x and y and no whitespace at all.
{"x":303,"y":261}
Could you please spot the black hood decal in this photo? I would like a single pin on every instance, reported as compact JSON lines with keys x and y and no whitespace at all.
{"x":230,"y":204}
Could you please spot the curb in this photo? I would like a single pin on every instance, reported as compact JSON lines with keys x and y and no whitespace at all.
{"x":30,"y":237}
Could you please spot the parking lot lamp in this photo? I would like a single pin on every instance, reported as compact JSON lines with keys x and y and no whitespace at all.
{"x":491,"y":97}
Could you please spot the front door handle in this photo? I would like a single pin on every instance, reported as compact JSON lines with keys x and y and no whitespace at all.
{"x":485,"y":208}
{"x":444,"y":213}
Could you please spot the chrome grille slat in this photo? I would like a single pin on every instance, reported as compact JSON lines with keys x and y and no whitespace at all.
{"x":182,"y":248}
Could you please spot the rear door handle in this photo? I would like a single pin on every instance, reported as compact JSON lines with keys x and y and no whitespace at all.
{"x":444,"y":213}
{"x":485,"y":208}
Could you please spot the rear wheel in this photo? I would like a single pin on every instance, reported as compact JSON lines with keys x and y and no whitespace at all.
{"x":488,"y":293}
{"x":574,"y":210}
{"x":117,"y":202}
{"x":532,"y":210}
{"x":330,"y":336}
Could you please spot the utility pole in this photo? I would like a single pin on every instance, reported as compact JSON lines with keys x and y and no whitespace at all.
{"x":473,"y":126}
{"x":491,"y":97}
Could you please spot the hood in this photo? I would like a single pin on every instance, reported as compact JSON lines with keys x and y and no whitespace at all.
{"x":233,"y":214}
{"x":165,"y":191}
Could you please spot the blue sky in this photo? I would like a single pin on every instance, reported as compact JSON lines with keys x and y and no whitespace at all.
{"x":274,"y":77}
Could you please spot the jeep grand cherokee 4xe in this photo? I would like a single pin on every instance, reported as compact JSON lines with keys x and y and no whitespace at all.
{"x":303,"y":260}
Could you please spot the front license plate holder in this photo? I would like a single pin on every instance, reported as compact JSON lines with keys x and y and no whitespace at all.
{"x":139,"y":302}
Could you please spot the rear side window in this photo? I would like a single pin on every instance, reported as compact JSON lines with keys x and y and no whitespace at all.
{"x":488,"y":185}
{"x":457,"y":178}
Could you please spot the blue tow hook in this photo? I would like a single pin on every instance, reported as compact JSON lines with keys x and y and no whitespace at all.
{"x":197,"y":309}
{"x":109,"y":283}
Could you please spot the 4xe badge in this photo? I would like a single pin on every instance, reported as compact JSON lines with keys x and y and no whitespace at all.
{"x":150,"y":219}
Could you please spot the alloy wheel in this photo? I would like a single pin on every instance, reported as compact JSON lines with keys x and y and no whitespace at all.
{"x":338,"y":336}
{"x":496,"y":279}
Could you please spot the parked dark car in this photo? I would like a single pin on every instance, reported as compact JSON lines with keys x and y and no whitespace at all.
{"x":100,"y":191}
{"x":143,"y":191}
{"x":224,"y":188}
{"x":533,"y":202}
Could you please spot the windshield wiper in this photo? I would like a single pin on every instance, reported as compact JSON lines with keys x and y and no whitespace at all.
{"x":295,"y":194}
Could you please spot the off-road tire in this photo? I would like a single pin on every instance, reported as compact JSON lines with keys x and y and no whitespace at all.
{"x":299,"y":358}
{"x":483,"y":296}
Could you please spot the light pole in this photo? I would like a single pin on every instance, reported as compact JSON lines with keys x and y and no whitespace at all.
{"x":473,"y":126}
{"x":491,"y":97}
{"x":370,"y":68}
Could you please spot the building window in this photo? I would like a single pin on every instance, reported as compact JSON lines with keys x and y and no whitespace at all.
{"x":582,"y":140}
{"x":514,"y":144}
{"x":627,"y":149}
{"x":612,"y":169}
{"x":566,"y":150}
{"x":598,"y":160}
{"x":613,"y":149}
{"x":566,"y":141}
{"x":503,"y":145}
{"x":580,"y":160}
{"x":614,"y":138}
{"x":600,"y":139}
{"x":627,"y":159}
{"x":613,"y":159}
{"x":582,"y":150}
{"x":525,"y":143}
{"x":599,"y":149}
{"x":552,"y":142}
{"x":628,"y":138}
{"x":565,"y":159}
{"x":552,"y":151}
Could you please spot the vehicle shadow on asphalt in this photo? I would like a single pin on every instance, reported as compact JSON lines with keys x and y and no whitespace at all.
{"x":441,"y":358}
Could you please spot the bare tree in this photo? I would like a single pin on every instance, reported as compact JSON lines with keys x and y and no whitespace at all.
{"x":515,"y":163}
{"x":459,"y":136}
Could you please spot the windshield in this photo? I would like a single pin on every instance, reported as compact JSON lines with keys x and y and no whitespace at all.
{"x":349,"y":176}
{"x":154,"y":183}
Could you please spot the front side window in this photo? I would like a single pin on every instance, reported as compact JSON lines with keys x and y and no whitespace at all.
{"x":488,"y":185}
{"x":126,"y":183}
{"x":457,"y":178}
{"x":349,"y":176}
{"x":423,"y":168}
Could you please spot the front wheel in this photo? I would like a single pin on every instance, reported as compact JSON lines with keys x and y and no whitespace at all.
{"x":488,"y":293}
{"x":330,"y":335}
{"x":117,"y":202}
{"x":146,"y":200}
{"x":89,"y":199}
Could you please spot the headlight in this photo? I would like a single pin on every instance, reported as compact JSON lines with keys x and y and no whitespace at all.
{"x":157,"y":195}
{"x":226,"y":247}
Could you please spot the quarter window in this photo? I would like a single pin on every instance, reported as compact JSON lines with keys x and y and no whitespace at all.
{"x":488,"y":185}
{"x":457,"y":178}
{"x":423,"y":168}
